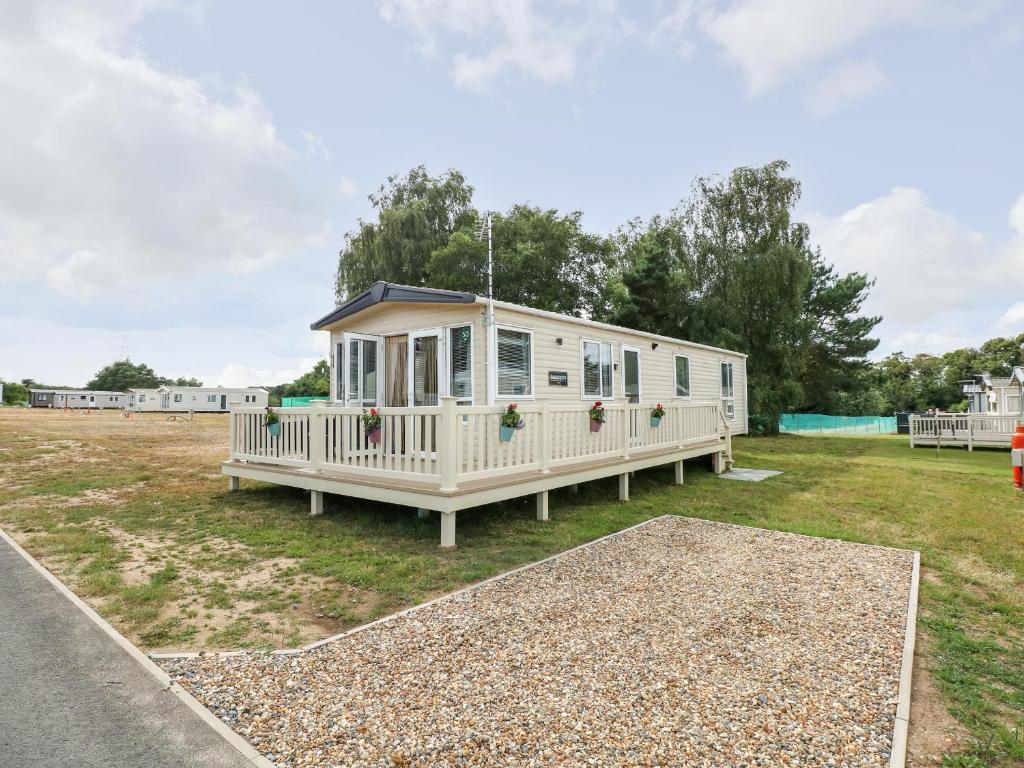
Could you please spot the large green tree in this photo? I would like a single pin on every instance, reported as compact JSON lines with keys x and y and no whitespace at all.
{"x":316,"y":382}
{"x":124,"y":374}
{"x":416,"y":214}
{"x":730,"y":267}
{"x":14,"y":393}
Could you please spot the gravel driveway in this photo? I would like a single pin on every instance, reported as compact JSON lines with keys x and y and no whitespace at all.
{"x":680,"y":642}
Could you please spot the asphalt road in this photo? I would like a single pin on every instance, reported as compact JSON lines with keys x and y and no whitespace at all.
{"x":71,"y":697}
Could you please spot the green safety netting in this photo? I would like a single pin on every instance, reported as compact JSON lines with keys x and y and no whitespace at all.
{"x":840,"y":425}
{"x":299,"y":402}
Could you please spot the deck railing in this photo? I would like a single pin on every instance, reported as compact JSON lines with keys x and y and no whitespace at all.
{"x":449,"y":444}
{"x":968,"y":429}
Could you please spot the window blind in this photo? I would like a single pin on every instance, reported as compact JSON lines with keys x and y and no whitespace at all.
{"x":460,"y":346}
{"x":515,"y":375}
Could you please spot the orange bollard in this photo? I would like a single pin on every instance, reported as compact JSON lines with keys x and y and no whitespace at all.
{"x":1017,"y":457}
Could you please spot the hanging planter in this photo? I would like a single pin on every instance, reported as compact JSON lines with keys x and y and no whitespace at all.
{"x":511,"y":421}
{"x":273,"y":421}
{"x":371,"y":425}
{"x":597,"y":416}
{"x":656,"y":415}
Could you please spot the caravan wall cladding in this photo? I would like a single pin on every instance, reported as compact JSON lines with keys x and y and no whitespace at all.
{"x":568,"y":360}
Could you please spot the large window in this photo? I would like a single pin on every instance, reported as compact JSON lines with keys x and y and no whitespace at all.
{"x":460,"y":363}
{"x":682,"y":364}
{"x":728,"y":393}
{"x":597,"y":369}
{"x":515,"y":363}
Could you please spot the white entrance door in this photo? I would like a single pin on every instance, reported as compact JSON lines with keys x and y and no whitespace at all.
{"x":426,"y":367}
{"x":363,"y":363}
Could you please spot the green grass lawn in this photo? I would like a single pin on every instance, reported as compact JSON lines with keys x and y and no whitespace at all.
{"x":219,"y":569}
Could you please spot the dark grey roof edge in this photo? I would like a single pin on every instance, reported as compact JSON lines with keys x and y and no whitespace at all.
{"x":381,"y":291}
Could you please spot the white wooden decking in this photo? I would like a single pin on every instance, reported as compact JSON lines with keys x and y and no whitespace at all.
{"x":449,"y":458}
{"x":962,"y":429}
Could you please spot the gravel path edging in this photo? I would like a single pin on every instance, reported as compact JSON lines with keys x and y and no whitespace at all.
{"x":901,"y":723}
{"x":250,"y":753}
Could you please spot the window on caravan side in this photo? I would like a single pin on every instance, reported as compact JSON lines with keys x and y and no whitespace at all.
{"x":682,"y":364}
{"x":597,"y":369}
{"x":460,"y":363}
{"x":515,"y":363}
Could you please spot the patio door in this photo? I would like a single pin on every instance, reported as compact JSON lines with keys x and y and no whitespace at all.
{"x":426,"y":367}
{"x":362,"y":363}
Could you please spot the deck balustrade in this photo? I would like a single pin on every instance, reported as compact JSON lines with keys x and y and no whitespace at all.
{"x":450,"y":444}
{"x":962,"y":429}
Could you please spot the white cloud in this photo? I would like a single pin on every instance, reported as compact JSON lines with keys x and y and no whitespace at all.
{"x":239,"y":375}
{"x":1012,"y":320}
{"x":843,"y":86}
{"x":115,"y":170}
{"x":938,"y":281}
{"x":492,"y":39}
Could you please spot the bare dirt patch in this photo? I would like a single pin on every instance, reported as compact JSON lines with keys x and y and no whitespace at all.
{"x":933,"y":731}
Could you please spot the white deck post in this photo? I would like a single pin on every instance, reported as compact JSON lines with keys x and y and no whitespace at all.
{"x":317,"y":434}
{"x":624,"y":425}
{"x":718,"y":462}
{"x":447,"y":453}
{"x":679,"y":472}
{"x":542,"y":505}
{"x":970,"y":434}
{"x":575,"y":487}
{"x":624,"y":486}
{"x":544,"y":440}
{"x":232,"y":483}
{"x":316,"y":503}
{"x":447,"y":530}
{"x":232,"y":435}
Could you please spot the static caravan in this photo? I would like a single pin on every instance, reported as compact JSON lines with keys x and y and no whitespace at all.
{"x":171,"y":398}
{"x":441,"y":374}
{"x":87,"y":398}
{"x":41,"y":398}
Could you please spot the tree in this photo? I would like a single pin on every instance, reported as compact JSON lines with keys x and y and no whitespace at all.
{"x":729,"y":267}
{"x":124,"y":374}
{"x":181,"y":381}
{"x":541,"y":258}
{"x":314,"y":383}
{"x":14,"y":393}
{"x":416,"y":215}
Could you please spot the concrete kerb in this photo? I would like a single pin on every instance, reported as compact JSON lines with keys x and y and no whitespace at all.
{"x":901,"y":724}
{"x":244,"y":748}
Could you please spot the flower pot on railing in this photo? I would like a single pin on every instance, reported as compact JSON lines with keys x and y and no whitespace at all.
{"x":597,"y":416}
{"x":655,"y":421}
{"x":595,"y":426}
{"x":656,"y":414}
{"x":274,"y":429}
{"x":510,"y":422}
{"x":505,"y":434}
{"x":373,"y":436}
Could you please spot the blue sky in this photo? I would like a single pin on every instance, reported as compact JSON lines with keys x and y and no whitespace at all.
{"x":177,"y":177}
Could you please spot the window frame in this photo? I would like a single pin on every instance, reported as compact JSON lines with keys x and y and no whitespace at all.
{"x":449,"y":348}
{"x":623,"y":349}
{"x":689,"y":377}
{"x":177,"y":397}
{"x":343,"y":367}
{"x":600,"y":357}
{"x":533,"y":368}
{"x":731,"y":399}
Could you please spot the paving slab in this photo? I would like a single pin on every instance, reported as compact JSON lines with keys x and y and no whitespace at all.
{"x":70,"y":695}
{"x":749,"y":475}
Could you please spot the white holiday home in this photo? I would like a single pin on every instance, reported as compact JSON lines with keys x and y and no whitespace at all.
{"x":441,"y":373}
{"x":171,"y":398}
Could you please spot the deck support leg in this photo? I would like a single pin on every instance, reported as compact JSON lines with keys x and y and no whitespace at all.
{"x":422,"y":513}
{"x":542,"y":505}
{"x":316,"y":503}
{"x":575,"y":487}
{"x":718,"y":462}
{"x":679,"y":472}
{"x":447,"y":530}
{"x":232,"y":483}
{"x":624,"y":486}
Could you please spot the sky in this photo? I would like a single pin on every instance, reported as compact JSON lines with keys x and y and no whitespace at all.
{"x":176,"y":178}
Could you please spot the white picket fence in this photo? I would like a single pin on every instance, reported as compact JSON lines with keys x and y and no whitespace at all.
{"x":958,"y":429}
{"x":450,"y":444}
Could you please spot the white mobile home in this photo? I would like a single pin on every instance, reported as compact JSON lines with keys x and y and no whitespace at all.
{"x":88,"y":398}
{"x":441,"y":373}
{"x":171,"y":398}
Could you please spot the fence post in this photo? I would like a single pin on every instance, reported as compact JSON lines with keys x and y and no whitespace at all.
{"x":970,"y":434}
{"x":317,"y":434}
{"x":448,"y":447}
{"x":624,"y":425}
{"x":544,"y":441}
{"x":232,"y":432}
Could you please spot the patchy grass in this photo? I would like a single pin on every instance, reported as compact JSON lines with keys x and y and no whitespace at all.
{"x":134,"y":515}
